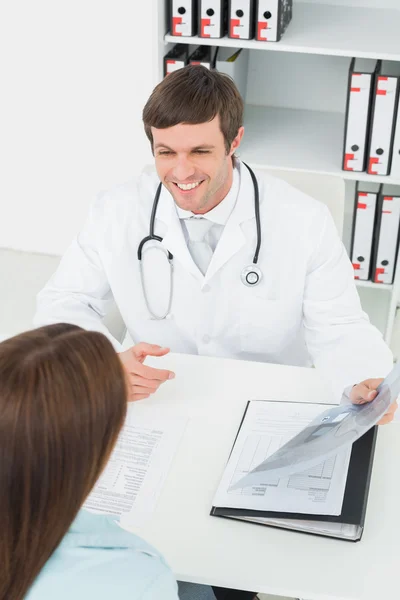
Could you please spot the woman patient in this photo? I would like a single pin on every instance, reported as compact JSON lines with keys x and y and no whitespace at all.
{"x":63,"y":401}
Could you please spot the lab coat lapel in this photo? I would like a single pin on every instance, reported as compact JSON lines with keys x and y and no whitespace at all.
{"x":233,"y":238}
{"x":173,"y":237}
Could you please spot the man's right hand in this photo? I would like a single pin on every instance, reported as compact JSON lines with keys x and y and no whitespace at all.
{"x":143,"y":380}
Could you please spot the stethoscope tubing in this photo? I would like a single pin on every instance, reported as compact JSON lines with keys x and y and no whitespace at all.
{"x":250,"y":275}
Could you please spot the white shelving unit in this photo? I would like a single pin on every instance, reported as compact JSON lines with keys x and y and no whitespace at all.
{"x":298,"y":139}
{"x":296,"y":96}
{"x":330,"y":29}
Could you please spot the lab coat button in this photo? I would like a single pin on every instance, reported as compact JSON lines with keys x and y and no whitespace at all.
{"x":206,"y":288}
{"x":206,"y":339}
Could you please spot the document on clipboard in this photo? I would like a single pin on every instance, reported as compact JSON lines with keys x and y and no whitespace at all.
{"x":297,"y":466}
{"x":328,"y":433}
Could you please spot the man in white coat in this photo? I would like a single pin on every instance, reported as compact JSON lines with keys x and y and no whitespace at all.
{"x":305,"y":308}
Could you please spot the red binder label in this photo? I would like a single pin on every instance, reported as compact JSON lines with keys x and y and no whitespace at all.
{"x":379,"y":271}
{"x":235,"y":23}
{"x":205,"y":23}
{"x":348,"y":157}
{"x":176,"y":21}
{"x":373,"y":161}
{"x":260,"y":28}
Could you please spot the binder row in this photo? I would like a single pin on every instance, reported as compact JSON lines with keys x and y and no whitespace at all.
{"x":375,"y":235}
{"x":372,"y":125}
{"x":266,"y":20}
{"x":231,"y":61}
{"x":179,"y":57}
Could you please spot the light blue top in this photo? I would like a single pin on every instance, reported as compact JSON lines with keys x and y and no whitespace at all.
{"x":97,"y":559}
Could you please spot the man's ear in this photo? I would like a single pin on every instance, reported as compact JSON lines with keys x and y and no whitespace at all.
{"x":236,"y":142}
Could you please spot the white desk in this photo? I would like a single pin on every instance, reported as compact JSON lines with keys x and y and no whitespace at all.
{"x":204,"y":549}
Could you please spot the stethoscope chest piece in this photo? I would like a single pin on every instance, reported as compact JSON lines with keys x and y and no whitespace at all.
{"x":251,"y":275}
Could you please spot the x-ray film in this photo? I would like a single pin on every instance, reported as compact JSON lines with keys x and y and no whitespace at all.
{"x":327,"y":434}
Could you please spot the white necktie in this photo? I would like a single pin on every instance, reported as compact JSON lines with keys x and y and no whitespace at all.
{"x":199,"y":248}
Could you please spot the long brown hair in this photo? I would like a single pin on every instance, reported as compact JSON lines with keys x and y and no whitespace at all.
{"x":194,"y":95}
{"x":62,"y":404}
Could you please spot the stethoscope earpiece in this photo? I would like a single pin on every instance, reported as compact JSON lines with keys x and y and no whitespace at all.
{"x":251,"y":276}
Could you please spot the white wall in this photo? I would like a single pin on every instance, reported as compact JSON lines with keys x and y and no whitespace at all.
{"x":76,"y":76}
{"x":74,"y":79}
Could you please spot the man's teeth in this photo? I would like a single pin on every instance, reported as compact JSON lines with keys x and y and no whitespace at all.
{"x":188,"y":186}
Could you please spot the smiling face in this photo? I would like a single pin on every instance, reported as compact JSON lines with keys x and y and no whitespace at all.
{"x":193,"y":164}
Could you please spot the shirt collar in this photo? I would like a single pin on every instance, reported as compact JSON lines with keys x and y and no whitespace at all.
{"x":97,"y":530}
{"x":220,"y":213}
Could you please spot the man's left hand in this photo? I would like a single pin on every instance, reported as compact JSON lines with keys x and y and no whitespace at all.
{"x":365,"y":392}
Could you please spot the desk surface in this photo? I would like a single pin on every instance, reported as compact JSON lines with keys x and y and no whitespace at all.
{"x":213,"y":393}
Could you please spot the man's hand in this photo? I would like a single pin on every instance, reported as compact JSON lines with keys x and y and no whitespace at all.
{"x":143,"y":380}
{"x":365,"y":392}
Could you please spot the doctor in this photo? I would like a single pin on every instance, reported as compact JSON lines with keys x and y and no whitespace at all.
{"x":202,"y":256}
{"x":197,"y":263}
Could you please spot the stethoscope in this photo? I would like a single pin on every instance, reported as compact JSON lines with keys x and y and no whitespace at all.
{"x":250,"y":276}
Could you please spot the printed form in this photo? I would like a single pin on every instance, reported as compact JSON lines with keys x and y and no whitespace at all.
{"x":133,"y":478}
{"x":266,"y":427}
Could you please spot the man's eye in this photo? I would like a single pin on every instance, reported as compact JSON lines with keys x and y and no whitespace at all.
{"x":164,"y":153}
{"x":202,"y":151}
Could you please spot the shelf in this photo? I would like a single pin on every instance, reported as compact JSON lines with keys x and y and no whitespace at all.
{"x":327,"y":29}
{"x":297,"y":140}
{"x":376,"y":286}
{"x":376,"y":305}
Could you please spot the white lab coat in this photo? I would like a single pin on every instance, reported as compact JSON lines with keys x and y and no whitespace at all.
{"x":305,"y":310}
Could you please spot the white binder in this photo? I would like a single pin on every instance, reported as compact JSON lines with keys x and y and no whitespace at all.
{"x":176,"y":58}
{"x":212,"y":18}
{"x":383,"y":114}
{"x":395,"y":166}
{"x":241,"y":19}
{"x":363,"y":230}
{"x":273,"y":17}
{"x":358,"y":111}
{"x":387,"y":235}
{"x":202,"y":55}
{"x":183,"y":17}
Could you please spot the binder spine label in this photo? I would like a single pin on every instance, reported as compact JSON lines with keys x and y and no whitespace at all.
{"x":267,"y":20}
{"x":211,"y":18}
{"x":173,"y":65}
{"x":203,"y":64}
{"x":363,"y":235}
{"x":239,"y":19}
{"x":388,"y":239}
{"x":380,"y":147}
{"x":357,"y":121}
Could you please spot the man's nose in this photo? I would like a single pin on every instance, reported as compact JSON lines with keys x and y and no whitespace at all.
{"x":183,"y":170}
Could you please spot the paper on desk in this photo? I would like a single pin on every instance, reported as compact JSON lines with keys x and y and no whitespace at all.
{"x":266,"y":426}
{"x":134,"y":476}
{"x":329,"y":432}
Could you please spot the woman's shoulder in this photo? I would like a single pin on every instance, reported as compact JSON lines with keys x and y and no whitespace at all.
{"x":98,"y":558}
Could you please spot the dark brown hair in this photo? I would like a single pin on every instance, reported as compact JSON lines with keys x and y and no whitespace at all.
{"x":193,"y":95}
{"x":62,"y":404}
